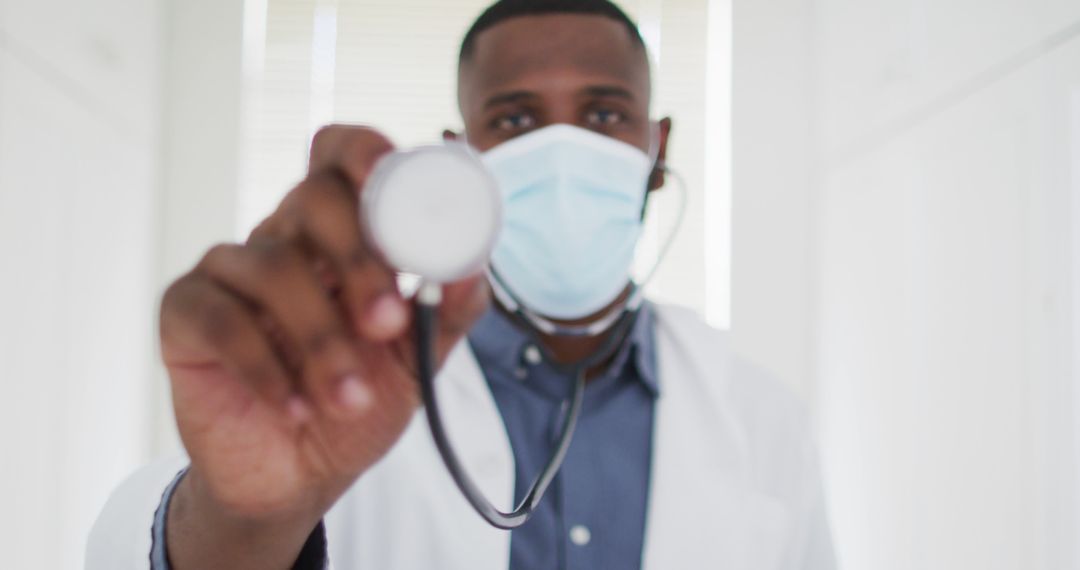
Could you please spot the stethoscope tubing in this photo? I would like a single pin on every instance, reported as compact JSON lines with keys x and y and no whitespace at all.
{"x":426,"y":328}
{"x":615,"y":329}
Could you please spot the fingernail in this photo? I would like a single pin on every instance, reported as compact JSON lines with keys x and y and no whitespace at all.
{"x":298,"y":411}
{"x":387,"y":314}
{"x":353,"y":394}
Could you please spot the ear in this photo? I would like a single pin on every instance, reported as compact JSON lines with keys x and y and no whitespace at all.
{"x":656,"y":179}
{"x":448,"y":135}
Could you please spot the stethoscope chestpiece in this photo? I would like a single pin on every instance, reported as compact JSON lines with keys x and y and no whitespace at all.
{"x":433,"y":211}
{"x":436,"y":212}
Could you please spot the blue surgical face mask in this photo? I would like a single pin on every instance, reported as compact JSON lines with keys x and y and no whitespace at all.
{"x":572,"y":205}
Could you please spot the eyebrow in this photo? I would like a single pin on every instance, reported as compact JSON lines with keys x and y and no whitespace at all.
{"x":509,"y":97}
{"x":609,"y":91}
{"x":592,"y":91}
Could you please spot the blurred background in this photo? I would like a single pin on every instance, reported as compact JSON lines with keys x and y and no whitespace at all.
{"x":884,"y":211}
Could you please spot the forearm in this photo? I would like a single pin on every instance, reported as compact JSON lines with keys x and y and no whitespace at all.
{"x":202,"y":535}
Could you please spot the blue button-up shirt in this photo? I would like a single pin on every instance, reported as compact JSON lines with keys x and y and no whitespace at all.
{"x":593,"y":515}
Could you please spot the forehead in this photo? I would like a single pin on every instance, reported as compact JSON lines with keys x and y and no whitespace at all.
{"x":539,"y":51}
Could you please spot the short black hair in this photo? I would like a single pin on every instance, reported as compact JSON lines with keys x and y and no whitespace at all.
{"x":503,"y":10}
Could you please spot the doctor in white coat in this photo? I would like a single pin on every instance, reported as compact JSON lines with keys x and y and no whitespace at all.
{"x":292,"y":363}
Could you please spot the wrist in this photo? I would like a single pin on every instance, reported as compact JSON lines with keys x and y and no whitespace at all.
{"x":250,"y":508}
{"x":204,"y":532}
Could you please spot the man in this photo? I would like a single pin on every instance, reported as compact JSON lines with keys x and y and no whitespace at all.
{"x":291,"y":363}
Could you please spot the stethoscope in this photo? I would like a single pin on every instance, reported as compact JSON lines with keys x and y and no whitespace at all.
{"x":435,"y":212}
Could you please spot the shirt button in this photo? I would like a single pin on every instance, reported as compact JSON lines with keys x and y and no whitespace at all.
{"x":580,"y":535}
{"x":532,"y":355}
{"x":521,"y":373}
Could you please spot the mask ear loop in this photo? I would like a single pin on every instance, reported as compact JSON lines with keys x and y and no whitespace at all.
{"x":680,"y":217}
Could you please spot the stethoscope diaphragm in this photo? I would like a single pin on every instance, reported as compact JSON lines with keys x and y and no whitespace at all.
{"x":433,"y":211}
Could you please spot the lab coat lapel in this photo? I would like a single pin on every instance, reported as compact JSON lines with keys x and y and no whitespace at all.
{"x":475,"y":427}
{"x":703,"y":512}
{"x":407,"y":513}
{"x":479,"y":436}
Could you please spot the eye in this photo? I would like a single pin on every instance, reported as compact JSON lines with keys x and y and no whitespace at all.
{"x":604,"y":117}
{"x":514,"y":122}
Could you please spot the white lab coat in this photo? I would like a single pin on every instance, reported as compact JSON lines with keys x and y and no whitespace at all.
{"x":734,"y":481}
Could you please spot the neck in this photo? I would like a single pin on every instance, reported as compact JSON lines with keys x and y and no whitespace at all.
{"x":570,"y":349}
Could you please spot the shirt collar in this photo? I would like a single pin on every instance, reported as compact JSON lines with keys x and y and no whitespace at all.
{"x":500,"y":342}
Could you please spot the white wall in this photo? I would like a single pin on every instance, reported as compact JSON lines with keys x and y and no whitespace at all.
{"x":946,"y":280}
{"x":79,"y":102}
{"x":926,"y":152}
{"x":114,"y":176}
{"x":772,"y":275}
{"x":200,"y":168}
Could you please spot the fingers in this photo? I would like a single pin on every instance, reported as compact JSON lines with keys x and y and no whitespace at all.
{"x":351,"y":149}
{"x":278,"y":279}
{"x":203,"y":325}
{"x":463,"y":302}
{"x":301,"y":267}
{"x":322,"y":213}
{"x":307,"y":287}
